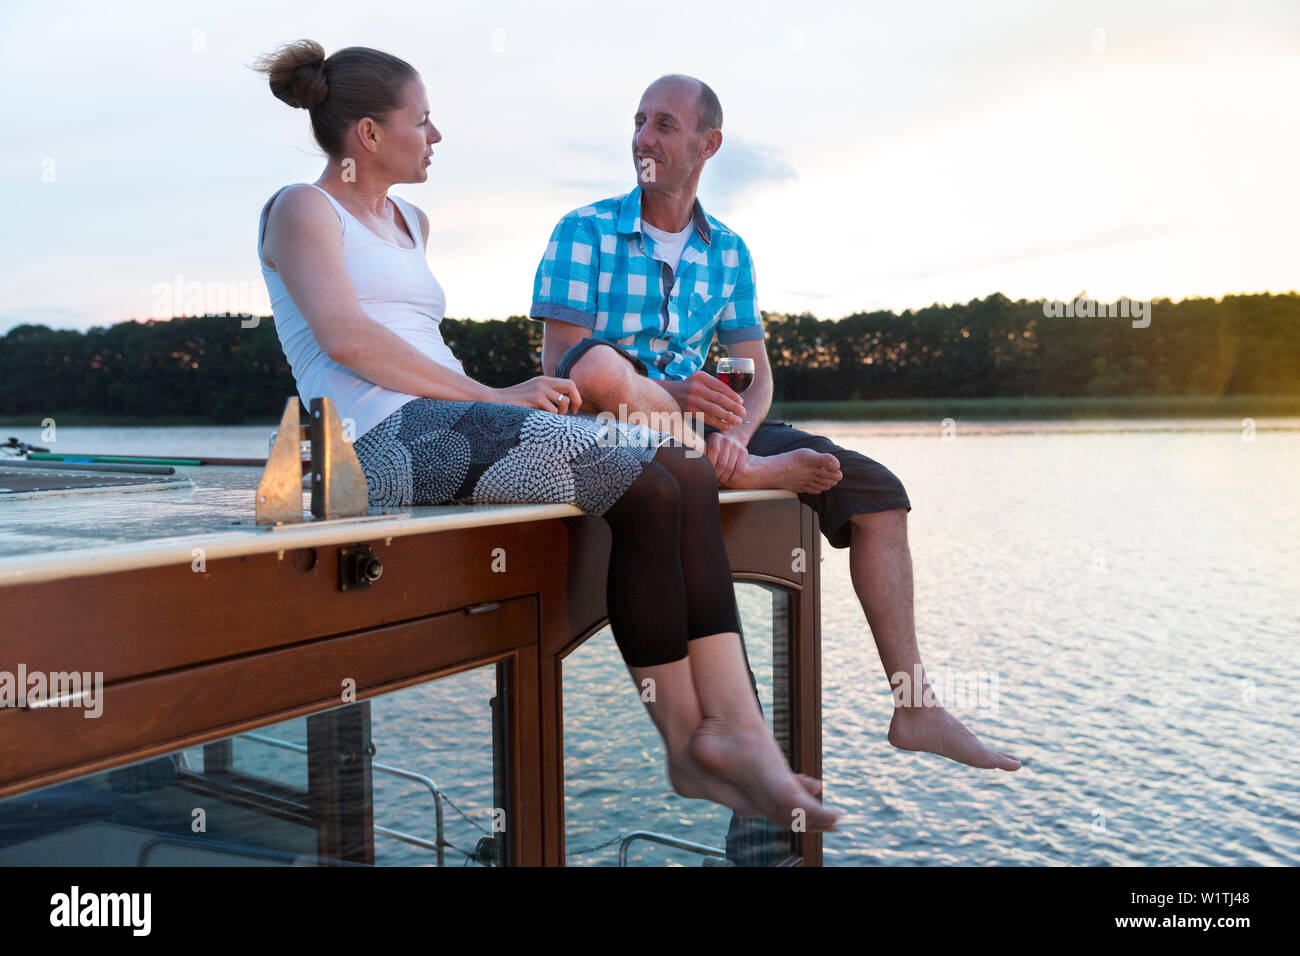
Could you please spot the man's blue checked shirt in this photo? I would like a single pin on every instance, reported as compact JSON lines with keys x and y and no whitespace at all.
{"x":600,"y":271}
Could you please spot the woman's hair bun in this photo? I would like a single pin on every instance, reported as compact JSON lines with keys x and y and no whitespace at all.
{"x":355,"y":82}
{"x":297,"y":73}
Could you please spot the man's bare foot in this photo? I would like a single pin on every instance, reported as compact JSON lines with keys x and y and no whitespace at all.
{"x":803,"y":470}
{"x":934,"y":730}
{"x":749,"y":759}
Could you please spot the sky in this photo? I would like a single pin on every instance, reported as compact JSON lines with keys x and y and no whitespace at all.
{"x":876,"y":155}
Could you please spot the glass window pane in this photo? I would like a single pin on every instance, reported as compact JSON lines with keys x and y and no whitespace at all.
{"x":616,"y":781}
{"x":306,"y":791}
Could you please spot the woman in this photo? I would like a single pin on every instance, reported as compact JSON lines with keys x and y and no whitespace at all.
{"x":357,"y":311}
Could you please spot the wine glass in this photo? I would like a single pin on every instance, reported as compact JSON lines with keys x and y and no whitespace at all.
{"x":737,"y":374}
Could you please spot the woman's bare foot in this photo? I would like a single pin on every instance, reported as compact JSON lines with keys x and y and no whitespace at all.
{"x":748,"y":758}
{"x":934,"y":730}
{"x":690,"y":780}
{"x":811,"y":784}
{"x":803,"y":470}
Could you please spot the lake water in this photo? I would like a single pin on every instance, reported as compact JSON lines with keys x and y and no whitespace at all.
{"x":1126,"y":600}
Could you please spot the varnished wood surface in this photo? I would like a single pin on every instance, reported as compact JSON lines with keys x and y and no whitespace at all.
{"x":195,"y":652}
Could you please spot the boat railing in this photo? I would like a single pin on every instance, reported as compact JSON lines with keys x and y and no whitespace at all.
{"x":625,"y":843}
{"x":209,"y":848}
{"x":662,"y":838}
{"x":437,"y":845}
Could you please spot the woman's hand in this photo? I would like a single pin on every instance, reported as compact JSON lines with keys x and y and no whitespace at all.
{"x":557,"y":395}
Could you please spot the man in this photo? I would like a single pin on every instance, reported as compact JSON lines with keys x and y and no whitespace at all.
{"x":654,"y":278}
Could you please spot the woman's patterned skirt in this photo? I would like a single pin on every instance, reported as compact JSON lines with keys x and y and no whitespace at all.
{"x":433,"y":452}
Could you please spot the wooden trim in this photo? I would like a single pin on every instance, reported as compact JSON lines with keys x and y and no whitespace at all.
{"x":166,"y":712}
{"x":525,"y":759}
{"x":808,"y":674}
{"x":243,"y":605}
{"x":340,"y":788}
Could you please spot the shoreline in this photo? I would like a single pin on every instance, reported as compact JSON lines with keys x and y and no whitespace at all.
{"x":1170,"y":413}
{"x":1116,"y":426}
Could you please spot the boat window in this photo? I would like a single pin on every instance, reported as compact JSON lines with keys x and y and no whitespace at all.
{"x":412,"y":777}
{"x":619,"y":806}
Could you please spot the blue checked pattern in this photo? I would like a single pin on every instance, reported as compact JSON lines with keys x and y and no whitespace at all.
{"x":600,"y":271}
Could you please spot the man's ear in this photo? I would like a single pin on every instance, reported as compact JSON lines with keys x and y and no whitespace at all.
{"x":712,"y":143}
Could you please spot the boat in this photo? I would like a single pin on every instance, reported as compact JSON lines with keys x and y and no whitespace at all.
{"x":166,"y":636}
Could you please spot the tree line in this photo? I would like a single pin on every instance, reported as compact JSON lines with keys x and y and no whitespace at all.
{"x":231,"y":369}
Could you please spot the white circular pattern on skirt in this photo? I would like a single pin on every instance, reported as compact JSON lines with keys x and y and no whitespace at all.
{"x":389,"y":480}
{"x":639,"y":438}
{"x":439,"y":463}
{"x":570,"y":435}
{"x":422,"y":415}
{"x":603,"y":473}
{"x":530,"y":473}
{"x":381,"y":434}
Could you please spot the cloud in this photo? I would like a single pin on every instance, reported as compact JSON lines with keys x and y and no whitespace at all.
{"x":1043,"y":250}
{"x":593,"y":169}
{"x":596,"y":188}
{"x":808,"y":293}
{"x":739,"y":166}
{"x":596,"y":148}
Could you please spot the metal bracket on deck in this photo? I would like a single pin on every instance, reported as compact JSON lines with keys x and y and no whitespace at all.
{"x":338,"y":486}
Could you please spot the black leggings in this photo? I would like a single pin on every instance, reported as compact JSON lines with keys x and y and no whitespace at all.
{"x":669,"y":577}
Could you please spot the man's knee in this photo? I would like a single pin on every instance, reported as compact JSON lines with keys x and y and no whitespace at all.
{"x":602,"y":362}
{"x":876,"y":522}
{"x":602,"y":373}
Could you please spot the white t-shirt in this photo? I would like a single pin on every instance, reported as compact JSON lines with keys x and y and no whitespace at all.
{"x":669,"y":245}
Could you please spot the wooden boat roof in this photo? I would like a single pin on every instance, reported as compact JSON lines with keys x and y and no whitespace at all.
{"x":67,"y":536}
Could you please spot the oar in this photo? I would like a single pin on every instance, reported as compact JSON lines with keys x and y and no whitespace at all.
{"x":115,"y":468}
{"x":147,"y":460}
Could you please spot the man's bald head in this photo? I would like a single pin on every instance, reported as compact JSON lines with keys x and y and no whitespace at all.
{"x":707,"y":108}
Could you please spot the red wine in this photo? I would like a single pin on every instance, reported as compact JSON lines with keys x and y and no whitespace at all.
{"x":736,"y":381}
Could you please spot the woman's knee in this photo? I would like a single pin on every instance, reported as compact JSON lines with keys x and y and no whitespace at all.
{"x":653,"y":499}
{"x":693,"y":471}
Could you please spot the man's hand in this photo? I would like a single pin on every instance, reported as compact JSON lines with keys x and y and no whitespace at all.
{"x":721,"y":407}
{"x":728,"y":455}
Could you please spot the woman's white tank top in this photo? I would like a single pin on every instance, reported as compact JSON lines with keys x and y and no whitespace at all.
{"x":395,"y":288}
